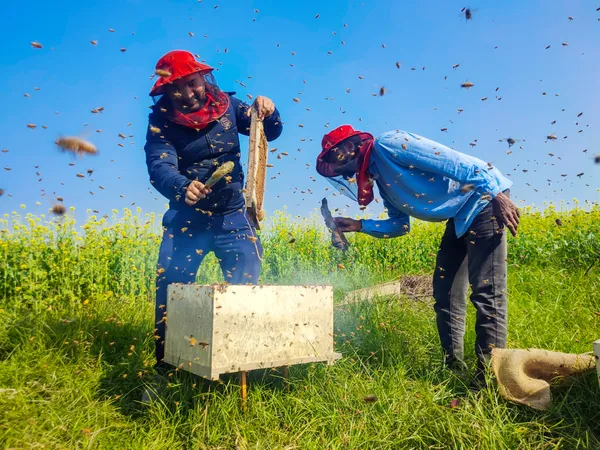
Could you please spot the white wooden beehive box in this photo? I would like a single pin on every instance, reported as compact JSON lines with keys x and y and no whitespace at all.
{"x":597,"y":353}
{"x":218,"y":329}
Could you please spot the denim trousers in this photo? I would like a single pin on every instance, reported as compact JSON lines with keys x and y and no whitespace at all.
{"x":476,"y":259}
{"x":230,"y":237}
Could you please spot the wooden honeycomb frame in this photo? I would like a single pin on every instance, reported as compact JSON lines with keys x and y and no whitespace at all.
{"x":254,"y":191}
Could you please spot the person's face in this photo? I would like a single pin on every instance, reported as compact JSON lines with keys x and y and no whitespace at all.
{"x":343,"y":158}
{"x":187,"y":94}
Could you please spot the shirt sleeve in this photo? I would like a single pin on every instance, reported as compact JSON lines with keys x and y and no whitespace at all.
{"x":162,"y":163}
{"x":429,"y":156}
{"x":272,"y":124}
{"x":397,"y":224}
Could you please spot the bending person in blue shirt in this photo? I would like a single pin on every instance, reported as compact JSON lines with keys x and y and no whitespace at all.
{"x":420,"y":178}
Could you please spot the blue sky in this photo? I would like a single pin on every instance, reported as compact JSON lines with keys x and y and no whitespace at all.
{"x":502,"y":47}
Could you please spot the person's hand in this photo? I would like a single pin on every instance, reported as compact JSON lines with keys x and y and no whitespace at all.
{"x":263,"y":105}
{"x":346,"y":224}
{"x":506,"y":213}
{"x":195,"y":191}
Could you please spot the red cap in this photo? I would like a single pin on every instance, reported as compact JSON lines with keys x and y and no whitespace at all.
{"x":178,"y":63}
{"x":334,"y":137}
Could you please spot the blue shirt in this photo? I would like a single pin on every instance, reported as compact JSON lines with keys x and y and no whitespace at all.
{"x":421,"y":178}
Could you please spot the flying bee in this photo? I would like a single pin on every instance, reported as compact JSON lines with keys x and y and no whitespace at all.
{"x":510,"y":141}
{"x":59,"y":209}
{"x":467,"y":85}
{"x":551,"y":137}
{"x":162,"y":73}
{"x":381,"y":91}
{"x":467,"y":13}
{"x":467,"y":188}
{"x":76,"y":145}
{"x":597,"y":159}
{"x":36,"y":44}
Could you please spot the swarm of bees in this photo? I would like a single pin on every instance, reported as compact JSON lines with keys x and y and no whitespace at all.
{"x":79,"y":147}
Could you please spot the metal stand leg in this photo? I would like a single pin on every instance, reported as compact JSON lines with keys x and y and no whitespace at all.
{"x":244,"y":389}
{"x":286,"y":375}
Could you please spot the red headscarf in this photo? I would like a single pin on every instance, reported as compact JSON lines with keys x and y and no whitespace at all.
{"x":178,"y":64}
{"x":363,"y":177}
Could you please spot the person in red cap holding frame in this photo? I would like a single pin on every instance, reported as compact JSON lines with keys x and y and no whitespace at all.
{"x":193,"y":129}
{"x":424,"y":179}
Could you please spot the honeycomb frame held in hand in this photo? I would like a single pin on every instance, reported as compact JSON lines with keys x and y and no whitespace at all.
{"x":254,"y":191}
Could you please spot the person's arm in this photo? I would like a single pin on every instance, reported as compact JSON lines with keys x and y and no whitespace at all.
{"x":397,"y":224}
{"x":429,"y":156}
{"x":272,"y":124}
{"x":161,"y":160}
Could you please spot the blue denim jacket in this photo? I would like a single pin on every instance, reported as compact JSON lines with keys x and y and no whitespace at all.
{"x":177,"y":155}
{"x":421,"y":178}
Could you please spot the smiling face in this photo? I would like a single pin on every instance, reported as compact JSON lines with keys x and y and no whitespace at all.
{"x":188,"y":94}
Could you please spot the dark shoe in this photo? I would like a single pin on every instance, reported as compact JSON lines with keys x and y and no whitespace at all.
{"x":457,"y":366}
{"x":477,"y":383}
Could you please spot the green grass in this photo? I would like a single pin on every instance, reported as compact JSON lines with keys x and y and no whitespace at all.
{"x":76,"y":349}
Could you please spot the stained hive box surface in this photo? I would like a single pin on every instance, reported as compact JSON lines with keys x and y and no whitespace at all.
{"x":219,"y":329}
{"x":597,"y":353}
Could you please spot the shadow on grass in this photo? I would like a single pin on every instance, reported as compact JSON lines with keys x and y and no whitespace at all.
{"x":121,"y":351}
